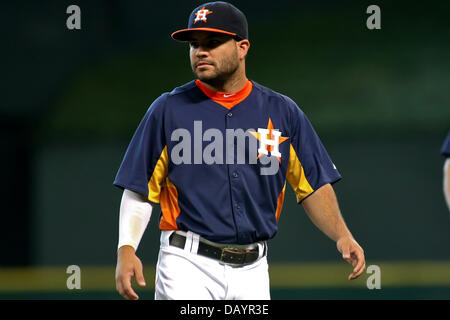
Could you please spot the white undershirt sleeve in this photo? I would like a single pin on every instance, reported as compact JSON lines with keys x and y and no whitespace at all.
{"x":135,"y":213}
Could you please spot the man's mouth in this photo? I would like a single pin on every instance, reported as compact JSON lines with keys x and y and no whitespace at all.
{"x":202,"y":63}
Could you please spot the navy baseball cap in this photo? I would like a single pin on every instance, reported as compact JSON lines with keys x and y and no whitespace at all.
{"x":220,"y":17}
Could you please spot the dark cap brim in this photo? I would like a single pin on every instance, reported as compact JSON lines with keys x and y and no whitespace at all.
{"x":185,"y":34}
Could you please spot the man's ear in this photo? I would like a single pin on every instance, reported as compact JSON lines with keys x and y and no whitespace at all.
{"x":243,"y":47}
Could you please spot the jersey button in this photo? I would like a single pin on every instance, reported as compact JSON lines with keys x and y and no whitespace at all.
{"x":235,"y":174}
{"x":230,"y":114}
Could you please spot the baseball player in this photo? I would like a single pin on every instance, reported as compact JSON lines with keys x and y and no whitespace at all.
{"x":445,"y":151}
{"x":216,"y":154}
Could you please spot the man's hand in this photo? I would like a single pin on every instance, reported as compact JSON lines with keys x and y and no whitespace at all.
{"x":128,"y":265}
{"x":353,"y":254}
{"x":323,"y":210}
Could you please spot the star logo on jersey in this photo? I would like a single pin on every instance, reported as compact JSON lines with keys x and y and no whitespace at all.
{"x":269,"y":140}
{"x":201,"y":15}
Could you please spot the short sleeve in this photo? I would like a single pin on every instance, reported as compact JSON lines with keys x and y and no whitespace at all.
{"x":310,"y":166}
{"x":445,"y":149}
{"x":144,"y":166}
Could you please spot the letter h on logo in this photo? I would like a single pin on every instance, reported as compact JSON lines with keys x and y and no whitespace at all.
{"x":273,"y":144}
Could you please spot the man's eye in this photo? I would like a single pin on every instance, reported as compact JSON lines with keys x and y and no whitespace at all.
{"x":209,"y":44}
{"x":214,"y":43}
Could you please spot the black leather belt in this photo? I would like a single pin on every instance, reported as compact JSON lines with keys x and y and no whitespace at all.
{"x":225,"y":255}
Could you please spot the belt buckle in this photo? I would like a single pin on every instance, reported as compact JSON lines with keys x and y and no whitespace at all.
{"x":236,"y":256}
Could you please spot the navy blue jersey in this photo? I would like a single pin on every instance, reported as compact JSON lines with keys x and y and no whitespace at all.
{"x":218,"y":163}
{"x":445,"y":149}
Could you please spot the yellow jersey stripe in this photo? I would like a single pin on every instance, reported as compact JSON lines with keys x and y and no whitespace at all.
{"x":296,"y":176}
{"x":159,"y":174}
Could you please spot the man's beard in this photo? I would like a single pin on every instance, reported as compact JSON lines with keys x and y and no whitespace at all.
{"x":229,"y":66}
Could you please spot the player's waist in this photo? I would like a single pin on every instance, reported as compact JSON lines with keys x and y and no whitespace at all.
{"x":221,"y":245}
{"x":233,"y":254}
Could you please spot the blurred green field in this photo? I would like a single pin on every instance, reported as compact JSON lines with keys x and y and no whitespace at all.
{"x":399,"y":280}
{"x":378,"y":100}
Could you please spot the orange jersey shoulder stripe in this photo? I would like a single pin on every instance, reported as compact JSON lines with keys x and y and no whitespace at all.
{"x":169,"y":207}
{"x":280,"y":202}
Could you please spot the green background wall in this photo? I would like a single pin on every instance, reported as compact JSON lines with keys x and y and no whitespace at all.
{"x":72,"y":99}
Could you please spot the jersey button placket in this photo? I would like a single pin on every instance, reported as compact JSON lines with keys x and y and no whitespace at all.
{"x":234,"y":175}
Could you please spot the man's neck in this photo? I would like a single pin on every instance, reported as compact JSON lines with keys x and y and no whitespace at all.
{"x":231,"y":85}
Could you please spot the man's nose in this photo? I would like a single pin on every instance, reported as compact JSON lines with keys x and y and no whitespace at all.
{"x":202,"y":51}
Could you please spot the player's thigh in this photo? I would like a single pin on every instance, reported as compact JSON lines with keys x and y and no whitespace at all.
{"x":183,"y":276}
{"x":253,"y":282}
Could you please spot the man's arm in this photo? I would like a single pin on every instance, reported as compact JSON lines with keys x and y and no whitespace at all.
{"x":447,"y":181}
{"x":323,"y":210}
{"x":135,"y":212}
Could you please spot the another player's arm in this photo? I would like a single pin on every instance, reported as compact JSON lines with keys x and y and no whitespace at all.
{"x":446,"y":181}
{"x":135,"y":212}
{"x":323,"y":210}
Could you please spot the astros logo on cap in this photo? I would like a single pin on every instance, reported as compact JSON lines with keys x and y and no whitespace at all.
{"x":201,"y":14}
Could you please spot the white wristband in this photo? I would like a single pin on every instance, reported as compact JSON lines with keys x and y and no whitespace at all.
{"x":135,"y":213}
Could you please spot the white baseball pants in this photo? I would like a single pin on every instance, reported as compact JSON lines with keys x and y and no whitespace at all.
{"x":184,"y":275}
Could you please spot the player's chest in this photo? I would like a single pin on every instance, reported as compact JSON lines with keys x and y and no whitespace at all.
{"x":211,"y":116}
{"x":209,"y":129}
